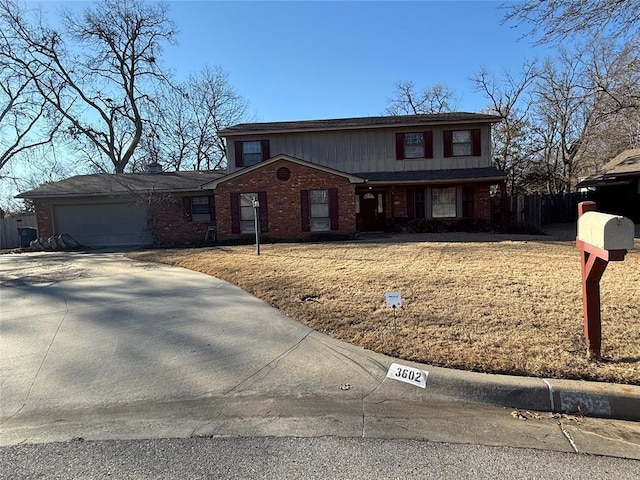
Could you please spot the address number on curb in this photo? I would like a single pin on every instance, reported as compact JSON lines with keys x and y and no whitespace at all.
{"x":408,"y":375}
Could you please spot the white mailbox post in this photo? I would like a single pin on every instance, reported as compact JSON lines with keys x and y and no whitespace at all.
{"x":601,"y":239}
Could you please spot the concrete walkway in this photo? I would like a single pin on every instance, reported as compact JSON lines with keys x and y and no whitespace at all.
{"x":98,"y":346}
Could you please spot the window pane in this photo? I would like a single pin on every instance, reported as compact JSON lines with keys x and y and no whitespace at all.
{"x":246,"y":199}
{"x":413,"y":145}
{"x":199,"y":205}
{"x":461,"y":149}
{"x":461,"y":143}
{"x":251,"y":147}
{"x":246,"y":213}
{"x":461,"y":136}
{"x":318,"y":196}
{"x":319,"y":224}
{"x":247,"y":226}
{"x":251,"y":153}
{"x":319,"y":210}
{"x":443,"y":202}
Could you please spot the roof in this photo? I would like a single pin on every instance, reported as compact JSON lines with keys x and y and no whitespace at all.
{"x":626,"y":162}
{"x":238,"y":173}
{"x":617,"y":171}
{"x":435,"y":176}
{"x":101,"y":184}
{"x":358,"y":123}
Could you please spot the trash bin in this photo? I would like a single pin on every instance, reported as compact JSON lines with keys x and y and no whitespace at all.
{"x":27,"y":235}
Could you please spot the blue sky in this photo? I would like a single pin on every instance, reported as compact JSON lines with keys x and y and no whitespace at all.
{"x":309,"y":59}
{"x":296,"y":60}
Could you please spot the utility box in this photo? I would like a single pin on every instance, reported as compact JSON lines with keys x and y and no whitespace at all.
{"x":608,"y":232}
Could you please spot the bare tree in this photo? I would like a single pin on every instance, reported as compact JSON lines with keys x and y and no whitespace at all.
{"x":25,"y":121}
{"x":558,"y":20}
{"x":511,"y":141}
{"x":406,"y":101}
{"x":97,"y":73}
{"x":185,"y":132}
{"x":565,"y":112}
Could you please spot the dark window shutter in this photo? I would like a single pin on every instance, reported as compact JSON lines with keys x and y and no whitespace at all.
{"x":235,"y":213}
{"x":447,"y":140}
{"x":186,"y":202}
{"x":411,"y":204}
{"x":264,"y":149}
{"x":399,"y":146}
{"x":333,"y":208}
{"x":477,"y":150}
{"x":212,"y":208}
{"x":237,"y":147}
{"x":427,"y":138}
{"x":304,"y":210}
{"x":262,"y":212}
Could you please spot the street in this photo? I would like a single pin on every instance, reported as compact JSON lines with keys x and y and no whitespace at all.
{"x":309,"y":458}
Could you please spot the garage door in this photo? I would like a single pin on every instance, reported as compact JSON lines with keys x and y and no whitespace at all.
{"x":103,"y":225}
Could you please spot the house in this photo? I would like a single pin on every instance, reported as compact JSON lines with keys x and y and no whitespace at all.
{"x":616,"y":188}
{"x":429,"y":167}
{"x":303,"y":178}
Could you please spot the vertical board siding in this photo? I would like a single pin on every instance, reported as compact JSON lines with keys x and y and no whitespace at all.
{"x":373,"y":150}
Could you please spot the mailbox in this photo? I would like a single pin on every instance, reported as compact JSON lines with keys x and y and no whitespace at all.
{"x":608,"y":232}
{"x":602,"y":238}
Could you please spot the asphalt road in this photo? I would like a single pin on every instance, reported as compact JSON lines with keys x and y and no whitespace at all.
{"x":100,"y":347}
{"x":256,"y":458}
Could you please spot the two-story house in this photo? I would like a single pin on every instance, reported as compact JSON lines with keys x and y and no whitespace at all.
{"x":309,"y":177}
{"x":356,"y":174}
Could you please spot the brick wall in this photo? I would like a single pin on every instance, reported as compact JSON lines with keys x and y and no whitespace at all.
{"x":44,"y":215}
{"x":170,"y":223}
{"x":481,"y":202}
{"x":283,"y":199}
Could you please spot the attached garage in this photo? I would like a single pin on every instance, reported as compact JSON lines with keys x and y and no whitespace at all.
{"x":128,"y":209}
{"x":108,"y":224}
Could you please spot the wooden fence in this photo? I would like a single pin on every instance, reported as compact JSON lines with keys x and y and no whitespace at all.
{"x":9,"y":237}
{"x":537,"y":210}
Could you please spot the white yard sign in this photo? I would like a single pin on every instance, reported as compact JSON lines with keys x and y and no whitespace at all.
{"x":394,"y":299}
{"x":406,"y":374}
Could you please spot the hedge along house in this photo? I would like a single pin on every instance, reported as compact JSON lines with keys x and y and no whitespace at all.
{"x":127,"y":209}
{"x":431,"y":167}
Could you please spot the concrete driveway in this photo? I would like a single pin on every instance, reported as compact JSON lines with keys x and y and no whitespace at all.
{"x":97,"y":346}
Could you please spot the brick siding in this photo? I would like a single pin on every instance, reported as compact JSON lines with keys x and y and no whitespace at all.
{"x":283,"y":199}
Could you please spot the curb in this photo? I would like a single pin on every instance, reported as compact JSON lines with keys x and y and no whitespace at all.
{"x":579,"y":397}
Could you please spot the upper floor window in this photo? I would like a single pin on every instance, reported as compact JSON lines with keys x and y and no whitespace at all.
{"x":250,"y":152}
{"x":414,"y":145}
{"x":462,"y":143}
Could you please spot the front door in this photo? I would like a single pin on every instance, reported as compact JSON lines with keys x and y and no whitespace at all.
{"x":372,"y":216}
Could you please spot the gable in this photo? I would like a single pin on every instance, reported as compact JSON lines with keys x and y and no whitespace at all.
{"x":284,"y":160}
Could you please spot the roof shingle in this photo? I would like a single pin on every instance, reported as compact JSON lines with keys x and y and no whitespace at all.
{"x":358,"y":123}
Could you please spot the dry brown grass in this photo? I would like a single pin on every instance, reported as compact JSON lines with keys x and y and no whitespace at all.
{"x":479,"y":303}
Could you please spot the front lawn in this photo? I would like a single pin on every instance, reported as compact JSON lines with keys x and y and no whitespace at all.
{"x":486,"y":303}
